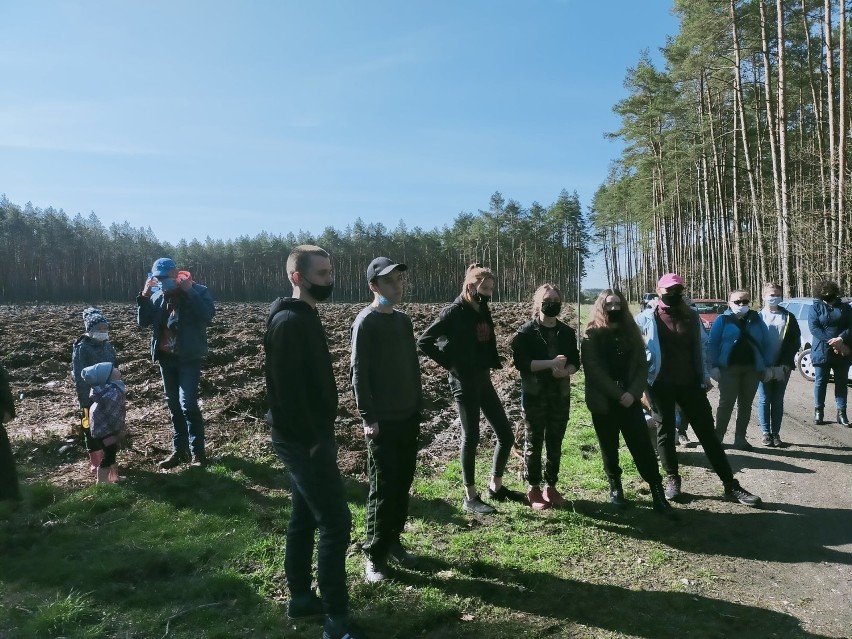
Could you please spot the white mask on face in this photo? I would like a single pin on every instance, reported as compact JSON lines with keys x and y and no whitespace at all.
{"x":99,"y":337}
{"x":739,"y":310}
{"x":774,"y":300}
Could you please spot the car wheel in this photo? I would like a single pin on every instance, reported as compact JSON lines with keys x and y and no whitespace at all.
{"x":805,"y":365}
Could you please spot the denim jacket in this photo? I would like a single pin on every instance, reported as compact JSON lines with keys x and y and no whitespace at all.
{"x":827,"y":322}
{"x":196,"y":313}
{"x":726,"y":332}
{"x":648,"y":327}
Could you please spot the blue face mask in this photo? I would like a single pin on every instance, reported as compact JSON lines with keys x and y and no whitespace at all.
{"x":383,"y":301}
{"x":774,"y":300}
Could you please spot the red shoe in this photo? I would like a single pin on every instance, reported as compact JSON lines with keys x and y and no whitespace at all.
{"x":95,"y":458}
{"x":552,"y":496}
{"x":536,"y":499}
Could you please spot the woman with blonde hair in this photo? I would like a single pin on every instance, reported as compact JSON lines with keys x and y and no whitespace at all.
{"x":613,"y":354}
{"x":544,"y":350}
{"x":463,"y":341}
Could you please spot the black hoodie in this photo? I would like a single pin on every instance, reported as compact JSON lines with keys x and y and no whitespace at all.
{"x":300,"y":384}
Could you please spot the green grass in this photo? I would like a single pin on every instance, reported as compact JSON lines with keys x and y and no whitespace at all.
{"x":201,"y":553}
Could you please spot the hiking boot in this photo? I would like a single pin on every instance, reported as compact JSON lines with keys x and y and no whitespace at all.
{"x":767,"y":440}
{"x":504,"y":494}
{"x":819,"y":417}
{"x":616,"y":494}
{"x":661,"y":504}
{"x":199,"y":460}
{"x":776,"y":441}
{"x":672,"y":490}
{"x":742,"y":445}
{"x":307,"y":606}
{"x":342,"y":628}
{"x":175,"y":459}
{"x":536,"y":499}
{"x":398,"y":553}
{"x":735,"y":492}
{"x":375,"y":570}
{"x":477,"y":506}
{"x":842,"y":419}
{"x":114,"y":477}
{"x":554,"y":497}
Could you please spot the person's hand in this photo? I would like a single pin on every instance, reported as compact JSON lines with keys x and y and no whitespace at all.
{"x":184,"y":281}
{"x":834,"y":341}
{"x":150,"y":283}
{"x":571,"y":369}
{"x":715,"y":373}
{"x":371,"y":431}
{"x":786,"y":370}
{"x":559,"y":361}
{"x":626,"y":400}
{"x":708,"y":384}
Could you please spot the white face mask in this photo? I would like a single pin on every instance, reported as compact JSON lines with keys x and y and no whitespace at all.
{"x":739,"y":310}
{"x":99,"y":337}
{"x":774,"y":300}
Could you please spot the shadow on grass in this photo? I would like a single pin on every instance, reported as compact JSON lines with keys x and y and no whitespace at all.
{"x":569,"y":603}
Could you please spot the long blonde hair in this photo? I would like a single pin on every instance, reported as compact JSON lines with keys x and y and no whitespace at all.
{"x":538,"y":296}
{"x":600,"y":319}
{"x":475,"y":274}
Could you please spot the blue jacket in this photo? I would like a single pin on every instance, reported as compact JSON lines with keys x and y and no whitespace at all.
{"x":195,"y":314}
{"x":827,"y":322}
{"x":726,"y":332}
{"x":88,"y":352}
{"x":648,"y":326}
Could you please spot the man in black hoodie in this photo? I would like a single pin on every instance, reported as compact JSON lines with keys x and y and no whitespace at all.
{"x":302,"y":397}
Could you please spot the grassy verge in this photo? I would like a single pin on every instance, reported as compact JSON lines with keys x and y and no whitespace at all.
{"x":200,"y":554}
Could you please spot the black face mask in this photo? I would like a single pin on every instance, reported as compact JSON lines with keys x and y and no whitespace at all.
{"x":672,"y":299}
{"x":551,"y":309}
{"x":479,"y":298}
{"x":613,"y":316}
{"x":320,"y":292}
{"x":829,"y":299}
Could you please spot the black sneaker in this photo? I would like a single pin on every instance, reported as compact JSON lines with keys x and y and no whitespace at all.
{"x":683,"y":439}
{"x":375,"y":570}
{"x":735,"y":492}
{"x":476,"y":505}
{"x":767,"y":440}
{"x":503,"y":494}
{"x":199,"y":460}
{"x":399,"y":554}
{"x":304,"y":607}
{"x":173,"y":460}
{"x":342,"y":628}
{"x":776,"y":441}
{"x":743,"y":445}
{"x":672,"y":488}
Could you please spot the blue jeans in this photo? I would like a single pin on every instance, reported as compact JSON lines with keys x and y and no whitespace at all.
{"x":841,"y":375}
{"x":318,"y":501}
{"x":770,"y":405}
{"x":180,"y":382}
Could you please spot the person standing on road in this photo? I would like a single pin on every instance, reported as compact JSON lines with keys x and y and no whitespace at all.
{"x":677,"y":375}
{"x":830,"y":321}
{"x":302,"y":396}
{"x":616,"y":375}
{"x":739,"y":353}
{"x":785,"y":339}
{"x":463,"y":341}
{"x":385,"y":374}
{"x":544,"y":350}
{"x":179,"y":312}
{"x":91,"y":348}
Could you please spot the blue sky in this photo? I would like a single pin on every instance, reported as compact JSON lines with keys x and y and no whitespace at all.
{"x":221,"y":119}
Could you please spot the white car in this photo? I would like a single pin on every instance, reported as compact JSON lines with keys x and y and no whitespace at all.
{"x":800,"y":307}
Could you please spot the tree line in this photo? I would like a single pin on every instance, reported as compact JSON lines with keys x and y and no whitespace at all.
{"x":52,"y":257}
{"x":736,"y":164}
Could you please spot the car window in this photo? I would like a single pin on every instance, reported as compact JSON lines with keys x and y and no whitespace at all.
{"x":794,"y":308}
{"x":803,"y":312}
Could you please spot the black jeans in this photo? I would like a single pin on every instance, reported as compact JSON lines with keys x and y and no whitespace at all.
{"x":472,"y":395}
{"x":545,"y":418}
{"x":630,"y":422}
{"x":8,"y":476}
{"x":110,"y":453}
{"x":693,"y":401}
{"x":318,"y":501}
{"x":92,"y":443}
{"x":391,"y":460}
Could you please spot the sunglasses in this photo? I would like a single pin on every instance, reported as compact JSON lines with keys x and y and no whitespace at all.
{"x":741,"y":302}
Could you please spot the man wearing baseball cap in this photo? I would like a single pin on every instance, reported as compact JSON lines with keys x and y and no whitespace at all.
{"x":385,"y":374}
{"x":678,"y":375}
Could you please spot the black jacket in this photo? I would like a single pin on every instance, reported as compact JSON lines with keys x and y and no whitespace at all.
{"x":451,"y":339}
{"x":300,"y":384}
{"x":529,"y":344}
{"x":7,"y":403}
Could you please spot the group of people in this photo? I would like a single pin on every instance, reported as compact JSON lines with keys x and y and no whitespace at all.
{"x":662,"y":362}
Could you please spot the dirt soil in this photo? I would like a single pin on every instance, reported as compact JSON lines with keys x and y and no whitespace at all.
{"x":792,"y":556}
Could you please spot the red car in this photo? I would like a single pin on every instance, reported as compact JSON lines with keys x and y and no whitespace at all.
{"x":709,"y":310}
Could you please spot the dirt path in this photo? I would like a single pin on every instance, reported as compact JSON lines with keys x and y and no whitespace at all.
{"x":795,"y":554}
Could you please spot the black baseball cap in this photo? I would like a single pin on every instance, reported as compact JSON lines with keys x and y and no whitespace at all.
{"x":382,"y":266}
